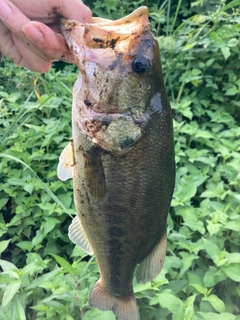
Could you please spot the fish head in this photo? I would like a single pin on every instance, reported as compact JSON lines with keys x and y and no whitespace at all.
{"x":120,"y":72}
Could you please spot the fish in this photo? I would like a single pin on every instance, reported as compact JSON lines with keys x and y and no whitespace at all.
{"x":121,"y":156}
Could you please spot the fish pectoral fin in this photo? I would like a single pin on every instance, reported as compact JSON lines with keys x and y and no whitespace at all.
{"x":124,"y":308}
{"x":66,"y":163}
{"x":150,"y":267}
{"x":77,"y":235}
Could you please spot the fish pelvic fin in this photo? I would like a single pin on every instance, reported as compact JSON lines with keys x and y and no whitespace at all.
{"x":66,"y":163}
{"x":150,"y":267}
{"x":124,"y":308}
{"x":77,"y":235}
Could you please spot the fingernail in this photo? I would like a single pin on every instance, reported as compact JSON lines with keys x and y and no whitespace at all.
{"x":32,"y":32}
{"x":5,"y":11}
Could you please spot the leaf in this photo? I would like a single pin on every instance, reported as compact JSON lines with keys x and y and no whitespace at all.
{"x":95,"y":314}
{"x":189,"y":308}
{"x":215,"y":316}
{"x":233,"y":225}
{"x":10,"y":292}
{"x":7,"y":266}
{"x":173,"y":304}
{"x":213,"y":276}
{"x":226,"y":52}
{"x":50,"y":276}
{"x":49,"y":224}
{"x":233,"y":42}
{"x":211,"y":248}
{"x":196,"y":282}
{"x":232,"y":272}
{"x":64,"y":264}
{"x":232,"y":91}
{"x":187,"y":260}
{"x":18,"y":312}
{"x":4,"y":245}
{"x":3,"y":201}
{"x":25,"y":245}
{"x":216,"y":303}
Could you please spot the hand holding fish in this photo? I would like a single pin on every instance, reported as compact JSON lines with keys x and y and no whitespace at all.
{"x":30,"y":33}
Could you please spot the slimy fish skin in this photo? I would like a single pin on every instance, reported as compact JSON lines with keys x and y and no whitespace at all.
{"x":121,"y":156}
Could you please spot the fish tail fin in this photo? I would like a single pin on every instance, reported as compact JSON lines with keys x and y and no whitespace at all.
{"x":125,"y":308}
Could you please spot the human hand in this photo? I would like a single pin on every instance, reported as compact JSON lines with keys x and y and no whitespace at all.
{"x":36,"y":44}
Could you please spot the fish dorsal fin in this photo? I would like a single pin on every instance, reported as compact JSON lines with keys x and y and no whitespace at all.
{"x":77,"y":235}
{"x":66,"y":163}
{"x":150,"y":267}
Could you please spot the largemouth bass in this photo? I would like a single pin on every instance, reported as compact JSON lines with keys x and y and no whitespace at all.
{"x":121,"y":156}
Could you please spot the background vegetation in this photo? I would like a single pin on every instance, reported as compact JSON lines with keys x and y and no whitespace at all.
{"x":43,"y":275}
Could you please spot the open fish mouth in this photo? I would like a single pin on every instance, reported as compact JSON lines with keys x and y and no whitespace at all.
{"x":114,"y":57}
{"x":104,"y":32}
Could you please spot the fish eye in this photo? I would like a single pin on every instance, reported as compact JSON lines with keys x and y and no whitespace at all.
{"x":140,"y":64}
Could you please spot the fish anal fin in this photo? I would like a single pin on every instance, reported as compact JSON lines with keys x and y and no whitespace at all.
{"x":150,"y":267}
{"x":77,"y":235}
{"x":124,"y":308}
{"x":66,"y":163}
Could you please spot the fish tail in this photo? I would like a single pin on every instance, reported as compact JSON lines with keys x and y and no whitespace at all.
{"x":125,"y":308}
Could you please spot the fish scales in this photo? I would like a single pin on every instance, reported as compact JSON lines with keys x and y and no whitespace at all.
{"x":123,"y":169}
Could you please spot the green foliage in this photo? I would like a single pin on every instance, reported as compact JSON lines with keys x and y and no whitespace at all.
{"x":43,"y":275}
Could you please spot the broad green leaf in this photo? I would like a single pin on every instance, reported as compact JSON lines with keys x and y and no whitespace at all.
{"x":7,"y":266}
{"x":18,"y":312}
{"x":232,"y":272}
{"x":187,"y":260}
{"x":4,"y":245}
{"x":49,"y":224}
{"x":216,"y":303}
{"x":25,"y":245}
{"x":226,"y":52}
{"x":196,"y":282}
{"x":173,"y":304}
{"x":213,"y":228}
{"x":139,"y":287}
{"x":95,"y":314}
{"x":189,"y":308}
{"x":233,"y":42}
{"x":233,"y":225}
{"x":215,"y":316}
{"x":38,"y":238}
{"x":213,"y":276}
{"x":10,"y":292}
{"x":3,"y":201}
{"x":4,"y":316}
{"x":232,"y":257}
{"x":211,"y":248}
{"x":64,"y":264}
{"x":57,"y":306}
{"x":232,"y":91}
{"x":50,"y":276}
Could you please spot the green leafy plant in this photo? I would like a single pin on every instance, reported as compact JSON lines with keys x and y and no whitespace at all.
{"x":43,"y":275}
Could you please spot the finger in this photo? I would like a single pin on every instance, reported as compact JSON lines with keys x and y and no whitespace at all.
{"x":73,"y":9}
{"x":13,"y":48}
{"x":14,"y":19}
{"x":52,"y":44}
{"x":26,"y":58}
